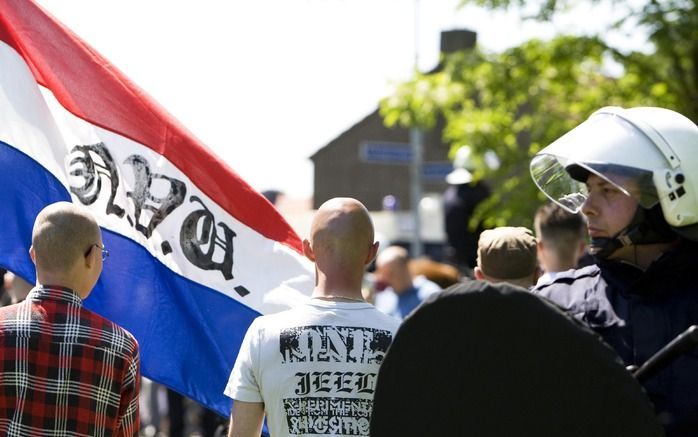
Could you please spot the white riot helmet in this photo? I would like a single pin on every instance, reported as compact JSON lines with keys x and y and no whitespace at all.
{"x":650,"y":154}
{"x":466,"y":163}
{"x":463,"y":167}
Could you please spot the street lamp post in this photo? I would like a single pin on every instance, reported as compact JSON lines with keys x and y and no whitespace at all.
{"x":417,"y":143}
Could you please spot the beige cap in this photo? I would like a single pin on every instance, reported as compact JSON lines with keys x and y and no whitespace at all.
{"x":507,"y":252}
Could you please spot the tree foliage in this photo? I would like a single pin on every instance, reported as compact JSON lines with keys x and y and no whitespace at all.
{"x":518,"y":101}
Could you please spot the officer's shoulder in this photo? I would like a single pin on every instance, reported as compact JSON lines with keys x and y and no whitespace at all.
{"x":568,"y":278}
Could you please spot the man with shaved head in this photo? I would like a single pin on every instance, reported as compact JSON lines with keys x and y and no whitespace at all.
{"x":65,"y":370}
{"x":312,"y":369}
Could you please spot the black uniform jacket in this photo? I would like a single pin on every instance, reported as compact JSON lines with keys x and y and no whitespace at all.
{"x":638,"y":312}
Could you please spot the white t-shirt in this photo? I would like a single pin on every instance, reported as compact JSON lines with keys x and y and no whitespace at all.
{"x":314,"y":367}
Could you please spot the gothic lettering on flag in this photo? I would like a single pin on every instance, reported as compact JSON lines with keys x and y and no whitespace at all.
{"x":197,"y":254}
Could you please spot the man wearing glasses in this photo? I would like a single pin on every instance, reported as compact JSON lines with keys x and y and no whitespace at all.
{"x":66,"y":370}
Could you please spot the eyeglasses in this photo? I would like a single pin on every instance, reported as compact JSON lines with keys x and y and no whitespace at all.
{"x":105,"y":252}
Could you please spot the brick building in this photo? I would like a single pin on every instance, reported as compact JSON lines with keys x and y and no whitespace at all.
{"x":370,"y":161}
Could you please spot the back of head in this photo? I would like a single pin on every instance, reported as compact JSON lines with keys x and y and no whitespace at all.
{"x":62,"y":233}
{"x":561,"y":232}
{"x":341,"y":233}
{"x":508,"y":254}
{"x":486,"y":359}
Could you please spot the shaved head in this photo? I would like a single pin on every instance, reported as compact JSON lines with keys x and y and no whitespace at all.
{"x":342,"y":232}
{"x":62,"y":234}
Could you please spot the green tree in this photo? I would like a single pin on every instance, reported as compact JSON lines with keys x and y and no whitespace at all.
{"x":670,"y":26}
{"x":518,"y":101}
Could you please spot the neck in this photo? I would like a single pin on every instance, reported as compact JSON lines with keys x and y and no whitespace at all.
{"x":45,"y":278}
{"x":526,"y":282}
{"x":339,"y":287}
{"x":335,"y":298}
{"x":551,"y":266}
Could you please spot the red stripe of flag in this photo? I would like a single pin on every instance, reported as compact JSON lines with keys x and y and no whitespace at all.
{"x":88,"y":86}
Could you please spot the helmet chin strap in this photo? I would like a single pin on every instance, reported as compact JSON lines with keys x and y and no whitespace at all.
{"x":648,"y":226}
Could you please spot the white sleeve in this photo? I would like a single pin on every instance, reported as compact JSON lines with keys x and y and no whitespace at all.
{"x":242,"y":384}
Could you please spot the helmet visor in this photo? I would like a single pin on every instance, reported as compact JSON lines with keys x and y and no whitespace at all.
{"x":549,"y":174}
{"x":606,"y":145}
{"x":564,"y":181}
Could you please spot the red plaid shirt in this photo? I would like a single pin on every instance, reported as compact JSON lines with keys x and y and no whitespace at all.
{"x":64,"y":370}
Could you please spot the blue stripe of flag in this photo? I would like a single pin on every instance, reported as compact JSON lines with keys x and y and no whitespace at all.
{"x":189,"y":334}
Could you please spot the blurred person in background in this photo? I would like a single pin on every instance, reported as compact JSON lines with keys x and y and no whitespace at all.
{"x":561,"y":240}
{"x":443,"y":275}
{"x":402,"y":292}
{"x":5,"y":298}
{"x":460,"y":200}
{"x":16,"y":288}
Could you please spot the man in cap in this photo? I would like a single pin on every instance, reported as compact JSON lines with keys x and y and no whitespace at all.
{"x":634,"y":175}
{"x":65,"y":370}
{"x":507,"y":254}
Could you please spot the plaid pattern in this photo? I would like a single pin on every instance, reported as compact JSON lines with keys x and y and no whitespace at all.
{"x":64,"y":370}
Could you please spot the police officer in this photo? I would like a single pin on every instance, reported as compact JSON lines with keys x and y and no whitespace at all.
{"x":634,"y":175}
{"x":461,"y":199}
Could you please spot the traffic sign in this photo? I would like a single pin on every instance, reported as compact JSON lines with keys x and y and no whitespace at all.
{"x":436,"y":171}
{"x":385,"y":152}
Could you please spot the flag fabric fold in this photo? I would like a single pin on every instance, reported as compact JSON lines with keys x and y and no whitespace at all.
{"x":196,"y":253}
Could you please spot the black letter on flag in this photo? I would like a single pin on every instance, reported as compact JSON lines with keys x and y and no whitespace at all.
{"x":142,"y":193}
{"x":92,"y":173}
{"x":191,"y":243}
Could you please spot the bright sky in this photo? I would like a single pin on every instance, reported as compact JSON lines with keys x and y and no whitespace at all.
{"x":266,"y":83}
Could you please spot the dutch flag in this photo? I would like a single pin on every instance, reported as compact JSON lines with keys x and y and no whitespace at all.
{"x":196,"y":254}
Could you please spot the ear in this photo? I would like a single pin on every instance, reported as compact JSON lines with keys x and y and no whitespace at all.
{"x":478,"y":274}
{"x":372,"y":253}
{"x":308,"y":250}
{"x":32,"y":254}
{"x":90,"y":259}
{"x":540,"y":246}
{"x":540,"y":251}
